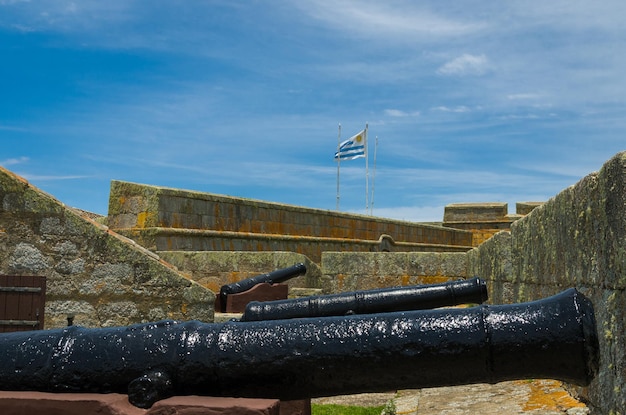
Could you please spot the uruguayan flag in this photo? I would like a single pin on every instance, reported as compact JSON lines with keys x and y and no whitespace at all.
{"x":352,"y":148}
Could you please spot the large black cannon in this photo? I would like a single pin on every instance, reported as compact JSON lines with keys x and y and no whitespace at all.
{"x":417,"y":297}
{"x":294,"y":359}
{"x":274,"y":277}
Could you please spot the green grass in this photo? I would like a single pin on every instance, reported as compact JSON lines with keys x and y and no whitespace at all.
{"x":317,"y":409}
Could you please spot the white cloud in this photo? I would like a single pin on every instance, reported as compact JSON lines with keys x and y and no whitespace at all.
{"x":460,"y":108}
{"x":11,"y":128}
{"x":375,"y":19}
{"x":524,"y":96}
{"x":399,"y":113}
{"x":465,"y":64}
{"x":411,"y":213}
{"x":13,"y":161}
{"x":42,"y":178}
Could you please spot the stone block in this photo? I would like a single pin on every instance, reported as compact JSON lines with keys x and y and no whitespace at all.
{"x":475,"y":212}
{"x":524,"y":208}
{"x":492,"y":260}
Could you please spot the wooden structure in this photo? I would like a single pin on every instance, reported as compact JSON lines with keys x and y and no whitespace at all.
{"x":22,"y":301}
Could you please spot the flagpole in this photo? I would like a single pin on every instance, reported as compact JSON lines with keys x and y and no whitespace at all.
{"x":338,"y":163}
{"x":374,"y":177}
{"x":367,"y":192}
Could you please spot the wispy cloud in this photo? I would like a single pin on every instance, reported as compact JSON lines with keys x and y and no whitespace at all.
{"x":63,"y":16}
{"x":374,"y":19}
{"x":459,"y":109}
{"x":244,"y":97}
{"x":10,"y":2}
{"x":465,"y":65}
{"x":399,"y":113}
{"x":48,"y":178}
{"x":525,"y":96}
{"x":13,"y":161}
{"x":11,"y":128}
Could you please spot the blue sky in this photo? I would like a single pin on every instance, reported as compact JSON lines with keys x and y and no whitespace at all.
{"x":471,"y":101}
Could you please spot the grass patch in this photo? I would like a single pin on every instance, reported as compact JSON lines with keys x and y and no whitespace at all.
{"x":317,"y":409}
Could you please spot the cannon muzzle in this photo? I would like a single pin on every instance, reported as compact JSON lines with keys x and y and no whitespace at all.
{"x":419,"y":297}
{"x":554,"y":338}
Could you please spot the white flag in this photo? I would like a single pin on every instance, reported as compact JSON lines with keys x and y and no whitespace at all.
{"x":352,"y":148}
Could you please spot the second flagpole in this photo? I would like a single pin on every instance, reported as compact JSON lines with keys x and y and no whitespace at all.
{"x":367,"y":174}
{"x":338,"y":163}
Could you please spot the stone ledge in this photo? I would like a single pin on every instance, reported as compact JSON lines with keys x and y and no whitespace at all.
{"x":42,"y":403}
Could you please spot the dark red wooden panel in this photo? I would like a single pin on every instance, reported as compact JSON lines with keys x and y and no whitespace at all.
{"x":22,"y":301}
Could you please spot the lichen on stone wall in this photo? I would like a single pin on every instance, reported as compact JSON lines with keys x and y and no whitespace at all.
{"x":212,"y":269}
{"x":350,"y":271}
{"x":94,"y":275}
{"x":26,"y":258}
{"x":576,"y":239}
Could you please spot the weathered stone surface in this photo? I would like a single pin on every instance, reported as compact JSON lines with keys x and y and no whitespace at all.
{"x":212,"y":269}
{"x":475,"y":212}
{"x":493,"y":262}
{"x":350,"y":271}
{"x":26,"y":258}
{"x":97,"y":276}
{"x":172,"y":219}
{"x":524,"y":208}
{"x":576,"y":239}
{"x":537,"y":397}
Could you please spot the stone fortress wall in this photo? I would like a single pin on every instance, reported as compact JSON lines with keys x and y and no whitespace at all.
{"x":218,"y":239}
{"x":163,"y":219}
{"x":575,"y":239}
{"x":99,"y":277}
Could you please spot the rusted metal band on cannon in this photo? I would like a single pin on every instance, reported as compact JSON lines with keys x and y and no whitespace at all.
{"x":294,"y":359}
{"x":417,"y":297}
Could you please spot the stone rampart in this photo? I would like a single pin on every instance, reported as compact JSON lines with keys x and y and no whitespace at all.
{"x":484,"y":219}
{"x":98,"y":276}
{"x":345,"y":271}
{"x":213,"y":269}
{"x":576,"y":239}
{"x":164,"y":219}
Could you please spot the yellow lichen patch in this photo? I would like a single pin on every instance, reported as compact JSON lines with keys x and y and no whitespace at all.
{"x":183,"y":308}
{"x":406,"y":279}
{"x":549,"y":394}
{"x":434,"y":279}
{"x":234,"y":276}
{"x":340,"y":278}
{"x":213,"y":286}
{"x":144,"y":218}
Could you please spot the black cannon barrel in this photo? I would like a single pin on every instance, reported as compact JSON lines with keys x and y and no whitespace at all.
{"x":418,"y":297}
{"x":553,"y":338}
{"x":280,"y":275}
